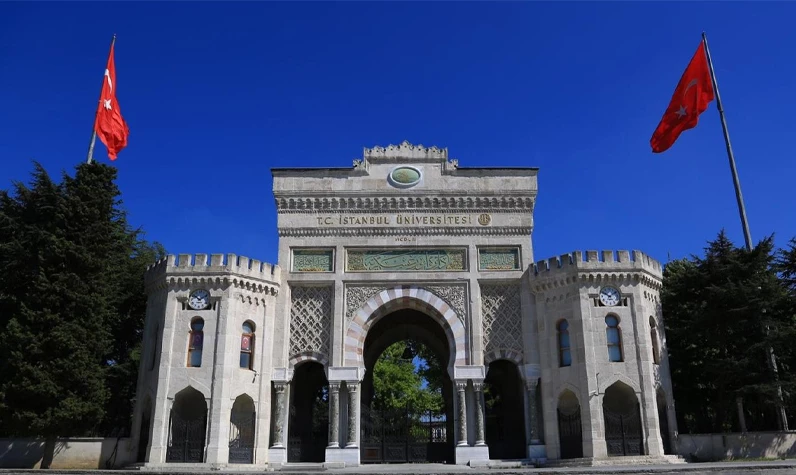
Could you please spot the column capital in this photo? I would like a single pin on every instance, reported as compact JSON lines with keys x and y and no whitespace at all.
{"x":352,"y":386}
{"x":461,"y":384}
{"x":531,"y":384}
{"x":334,"y":386}
{"x":279,"y":386}
{"x":478,"y":385}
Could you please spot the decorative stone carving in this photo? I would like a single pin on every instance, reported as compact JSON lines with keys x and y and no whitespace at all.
{"x":310,"y":319}
{"x":522,"y":231}
{"x":334,"y":415}
{"x":313,"y":260}
{"x":279,"y":413}
{"x":392,"y":260}
{"x":405,"y":150}
{"x":494,"y":259}
{"x":478,"y":388}
{"x":502,"y":317}
{"x":461,"y":387}
{"x":352,"y":413}
{"x":455,"y":295}
{"x":474,"y":204}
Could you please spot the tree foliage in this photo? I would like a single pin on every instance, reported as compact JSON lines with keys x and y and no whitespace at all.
{"x":398,"y":382}
{"x":71,"y":304}
{"x":723,"y":312}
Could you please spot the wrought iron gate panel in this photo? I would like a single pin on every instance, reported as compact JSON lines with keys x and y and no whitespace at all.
{"x":623,"y":432}
{"x":187,"y":442}
{"x":570,"y":435}
{"x":241,"y":437}
{"x":403,"y":435}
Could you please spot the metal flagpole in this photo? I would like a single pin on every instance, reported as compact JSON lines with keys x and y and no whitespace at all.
{"x":772,"y":359}
{"x":96,"y":112}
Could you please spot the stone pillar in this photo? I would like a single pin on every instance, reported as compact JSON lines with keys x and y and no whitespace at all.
{"x":279,"y":413}
{"x":533,"y":411}
{"x":334,"y":415}
{"x":461,"y":387}
{"x":478,"y":388}
{"x":353,"y":406}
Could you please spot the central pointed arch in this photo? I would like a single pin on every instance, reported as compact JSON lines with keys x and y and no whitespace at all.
{"x":402,"y":297}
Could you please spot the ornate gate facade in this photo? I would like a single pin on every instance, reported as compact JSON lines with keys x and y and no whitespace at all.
{"x":404,"y":435}
{"x":623,"y":432}
{"x":187,"y":442}
{"x":570,"y":435}
{"x":241,"y":437}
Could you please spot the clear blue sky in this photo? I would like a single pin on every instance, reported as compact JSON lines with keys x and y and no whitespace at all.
{"x":217,"y":93}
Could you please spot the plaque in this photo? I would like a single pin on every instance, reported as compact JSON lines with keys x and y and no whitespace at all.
{"x":313,"y":260}
{"x":403,"y":260}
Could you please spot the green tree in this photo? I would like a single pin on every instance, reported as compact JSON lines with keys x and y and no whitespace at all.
{"x":398,"y":384}
{"x":70,"y":302}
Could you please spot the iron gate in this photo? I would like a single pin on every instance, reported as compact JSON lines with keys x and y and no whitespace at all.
{"x":187,"y":442}
{"x":241,"y":437}
{"x":404,"y":435}
{"x":623,"y":432}
{"x":569,"y":435}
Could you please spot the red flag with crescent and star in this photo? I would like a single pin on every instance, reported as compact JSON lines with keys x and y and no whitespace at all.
{"x":691,"y":97}
{"x":109,"y":123}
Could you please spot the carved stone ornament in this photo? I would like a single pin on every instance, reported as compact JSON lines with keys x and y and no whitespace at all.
{"x":310,"y":319}
{"x":502,"y":317}
{"x":454,"y":295}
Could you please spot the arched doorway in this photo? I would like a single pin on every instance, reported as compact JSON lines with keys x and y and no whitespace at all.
{"x":308,"y":427}
{"x":188,"y":427}
{"x":242,"y":421}
{"x":397,"y":426}
{"x":570,"y":434}
{"x":622,"y":420}
{"x":143,"y":433}
{"x":504,"y":411}
{"x":663,"y":421}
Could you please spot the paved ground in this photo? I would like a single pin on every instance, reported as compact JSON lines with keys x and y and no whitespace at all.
{"x":782,"y":467}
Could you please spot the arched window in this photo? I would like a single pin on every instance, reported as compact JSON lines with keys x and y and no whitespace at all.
{"x":564,"y":354}
{"x":195,"y":343}
{"x":656,"y":358}
{"x":613,"y":335}
{"x":247,"y":346}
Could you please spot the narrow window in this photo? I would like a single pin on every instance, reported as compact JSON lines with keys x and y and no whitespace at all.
{"x":564,"y":354}
{"x":656,"y":358}
{"x":613,"y":336}
{"x":195,"y":343}
{"x":247,"y":346}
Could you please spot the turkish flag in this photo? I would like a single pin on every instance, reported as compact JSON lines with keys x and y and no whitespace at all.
{"x":692,"y":96}
{"x":109,"y":123}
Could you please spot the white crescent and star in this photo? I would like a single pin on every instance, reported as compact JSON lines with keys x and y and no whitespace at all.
{"x":681,"y":112}
{"x":107,"y":102}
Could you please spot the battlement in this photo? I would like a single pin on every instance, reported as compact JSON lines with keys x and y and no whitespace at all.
{"x":405,"y":150}
{"x":186,"y":264}
{"x":600,"y":260}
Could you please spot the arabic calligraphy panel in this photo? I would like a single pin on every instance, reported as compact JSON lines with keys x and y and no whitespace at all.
{"x":499,"y":259}
{"x":313,"y":260}
{"x":398,"y":260}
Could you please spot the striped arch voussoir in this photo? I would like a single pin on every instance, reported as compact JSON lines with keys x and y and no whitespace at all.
{"x":398,"y":298}
{"x":308,"y":356}
{"x":508,"y":355}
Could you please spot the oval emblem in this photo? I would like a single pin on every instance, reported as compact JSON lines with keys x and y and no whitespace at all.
{"x":404,"y":177}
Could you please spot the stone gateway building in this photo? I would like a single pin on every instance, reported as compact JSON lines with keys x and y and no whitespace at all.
{"x":246,"y":362}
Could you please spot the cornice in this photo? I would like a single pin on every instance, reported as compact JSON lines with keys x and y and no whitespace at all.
{"x":436,"y":231}
{"x":503,"y":203}
{"x":542,"y":285}
{"x":174,"y":282}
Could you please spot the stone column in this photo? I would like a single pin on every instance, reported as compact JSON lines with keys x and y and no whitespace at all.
{"x":533,"y":411}
{"x":461,"y":386}
{"x":353,"y":405}
{"x":478,"y":388}
{"x":334,"y":415}
{"x":279,"y":414}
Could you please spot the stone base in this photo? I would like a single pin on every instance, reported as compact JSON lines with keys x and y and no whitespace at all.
{"x":348,"y":456}
{"x":466,"y":454}
{"x":537,"y":453}
{"x":277,"y":456}
{"x":201,"y":467}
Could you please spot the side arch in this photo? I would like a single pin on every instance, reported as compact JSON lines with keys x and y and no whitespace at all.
{"x":509,"y":355}
{"x":412,"y":297}
{"x":308,"y":356}
{"x":618,"y":377}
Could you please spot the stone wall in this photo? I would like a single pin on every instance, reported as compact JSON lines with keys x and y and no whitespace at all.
{"x":705,"y":447}
{"x":69,"y":453}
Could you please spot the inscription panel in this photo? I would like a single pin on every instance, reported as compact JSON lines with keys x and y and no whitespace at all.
{"x":502,"y":258}
{"x":406,"y":260}
{"x":313,"y":260}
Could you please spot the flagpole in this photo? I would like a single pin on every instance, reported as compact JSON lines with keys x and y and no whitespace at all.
{"x":772,"y":358}
{"x":90,"y":157}
{"x":738,"y":196}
